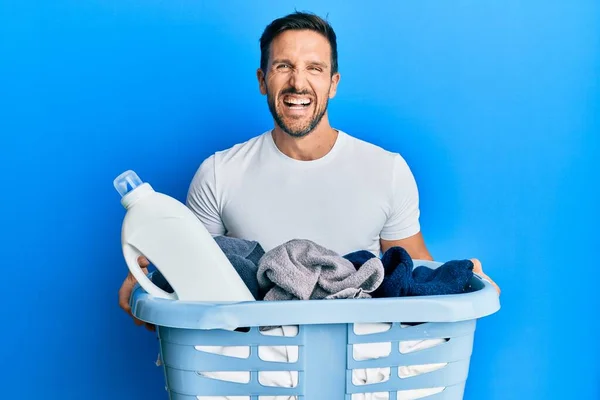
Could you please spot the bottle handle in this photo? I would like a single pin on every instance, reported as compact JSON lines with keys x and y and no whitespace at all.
{"x":131,"y":255}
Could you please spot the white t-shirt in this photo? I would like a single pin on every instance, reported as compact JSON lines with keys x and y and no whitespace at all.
{"x":345,"y":201}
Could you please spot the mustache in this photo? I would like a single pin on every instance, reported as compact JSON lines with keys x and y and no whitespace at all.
{"x":294,"y":91}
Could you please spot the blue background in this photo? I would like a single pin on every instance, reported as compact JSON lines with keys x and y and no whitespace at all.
{"x":494,"y":104}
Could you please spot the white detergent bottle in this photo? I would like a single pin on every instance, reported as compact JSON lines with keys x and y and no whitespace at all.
{"x":174,"y":240}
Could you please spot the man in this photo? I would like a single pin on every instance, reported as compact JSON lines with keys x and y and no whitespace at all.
{"x":305,"y":179}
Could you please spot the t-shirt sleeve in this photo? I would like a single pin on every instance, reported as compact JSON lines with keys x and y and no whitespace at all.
{"x":202,"y":198}
{"x":403,"y":216}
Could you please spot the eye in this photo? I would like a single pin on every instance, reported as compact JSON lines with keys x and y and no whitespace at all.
{"x":315,"y":69}
{"x":281,"y":66}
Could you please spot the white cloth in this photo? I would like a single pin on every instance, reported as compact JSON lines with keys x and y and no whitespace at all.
{"x":265,"y":353}
{"x":345,"y":201}
{"x":362,"y":351}
{"x":370,"y":351}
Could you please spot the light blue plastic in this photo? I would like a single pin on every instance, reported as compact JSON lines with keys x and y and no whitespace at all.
{"x":126,"y":182}
{"x":325,"y":339}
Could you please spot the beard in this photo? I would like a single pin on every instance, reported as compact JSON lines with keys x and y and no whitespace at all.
{"x":298,"y":130}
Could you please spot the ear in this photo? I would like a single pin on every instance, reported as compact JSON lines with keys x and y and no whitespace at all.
{"x":262,"y":85}
{"x":335,"y":79}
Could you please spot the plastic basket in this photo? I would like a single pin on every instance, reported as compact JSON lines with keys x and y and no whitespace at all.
{"x":325,"y":342}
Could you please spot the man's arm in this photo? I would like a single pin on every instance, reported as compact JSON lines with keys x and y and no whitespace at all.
{"x":414,"y":245}
{"x":202,"y":197}
{"x":402,"y":227}
{"x":404,"y":219}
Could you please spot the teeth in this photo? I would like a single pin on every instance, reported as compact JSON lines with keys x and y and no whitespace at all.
{"x":297,"y":101}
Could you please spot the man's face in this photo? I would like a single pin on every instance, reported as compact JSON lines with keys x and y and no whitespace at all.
{"x":298,"y":81}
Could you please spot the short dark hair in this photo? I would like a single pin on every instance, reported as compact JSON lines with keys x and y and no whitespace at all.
{"x":297,"y":21}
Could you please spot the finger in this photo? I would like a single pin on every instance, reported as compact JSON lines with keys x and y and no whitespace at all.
{"x":477,"y":266}
{"x":497,"y":287}
{"x":150,"y":327}
{"x":143,"y":261}
{"x":131,"y":281}
{"x":479,"y":270}
{"x":125,"y":293}
{"x":124,"y":299}
{"x":124,"y":304}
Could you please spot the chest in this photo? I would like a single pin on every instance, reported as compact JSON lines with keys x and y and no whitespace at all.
{"x":341,"y":210}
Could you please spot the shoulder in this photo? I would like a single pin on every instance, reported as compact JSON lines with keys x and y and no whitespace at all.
{"x":233,"y":157}
{"x":375,"y":156}
{"x":225,"y":166}
{"x":239,"y":153}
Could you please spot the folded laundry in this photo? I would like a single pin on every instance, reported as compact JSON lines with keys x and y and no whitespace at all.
{"x":301,"y":269}
{"x":402,"y":279}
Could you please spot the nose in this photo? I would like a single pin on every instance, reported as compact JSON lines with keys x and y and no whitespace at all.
{"x":298,"y":79}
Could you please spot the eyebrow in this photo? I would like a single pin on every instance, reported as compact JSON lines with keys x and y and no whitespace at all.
{"x":319,"y":63}
{"x":286,"y":61}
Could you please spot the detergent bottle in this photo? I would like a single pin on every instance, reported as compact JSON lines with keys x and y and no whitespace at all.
{"x":174,"y":240}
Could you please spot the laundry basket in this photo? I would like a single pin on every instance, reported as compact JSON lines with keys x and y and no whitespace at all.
{"x":216,"y":351}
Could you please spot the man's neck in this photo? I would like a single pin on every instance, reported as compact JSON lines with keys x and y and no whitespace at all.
{"x":313,"y":146}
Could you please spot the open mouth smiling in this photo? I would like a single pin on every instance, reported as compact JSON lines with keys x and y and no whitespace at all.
{"x":297,"y":103}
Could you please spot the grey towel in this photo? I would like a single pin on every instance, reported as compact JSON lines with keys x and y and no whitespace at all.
{"x":301,"y":269}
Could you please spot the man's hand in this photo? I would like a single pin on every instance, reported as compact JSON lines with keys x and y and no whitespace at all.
{"x":479,"y":271}
{"x":127,"y":288}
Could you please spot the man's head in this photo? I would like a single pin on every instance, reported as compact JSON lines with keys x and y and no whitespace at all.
{"x":298,"y":71}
